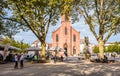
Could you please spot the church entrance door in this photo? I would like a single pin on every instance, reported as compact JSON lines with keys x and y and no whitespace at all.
{"x":65,"y":48}
{"x":74,"y":51}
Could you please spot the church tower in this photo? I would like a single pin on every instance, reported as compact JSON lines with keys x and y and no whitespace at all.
{"x":66,"y":37}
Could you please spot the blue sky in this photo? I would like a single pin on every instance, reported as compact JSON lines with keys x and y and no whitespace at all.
{"x":29,"y":37}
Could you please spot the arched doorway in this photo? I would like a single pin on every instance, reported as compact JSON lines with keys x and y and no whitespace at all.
{"x":74,"y":50}
{"x":65,"y":48}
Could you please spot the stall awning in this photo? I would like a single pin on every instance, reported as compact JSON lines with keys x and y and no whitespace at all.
{"x":9,"y":48}
{"x":33,"y":49}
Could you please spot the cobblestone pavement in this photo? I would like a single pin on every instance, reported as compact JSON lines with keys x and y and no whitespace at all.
{"x":81,"y":68}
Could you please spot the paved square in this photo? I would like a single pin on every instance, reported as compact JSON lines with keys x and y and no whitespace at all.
{"x":62,"y":69}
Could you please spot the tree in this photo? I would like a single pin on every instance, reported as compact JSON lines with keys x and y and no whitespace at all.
{"x":96,"y":49}
{"x":17,"y":44}
{"x":9,"y":29}
{"x":86,"y":48}
{"x":37,"y":15}
{"x":103,"y":15}
{"x":2,"y":12}
{"x":3,"y":4}
{"x":113,"y":47}
{"x":6,"y":40}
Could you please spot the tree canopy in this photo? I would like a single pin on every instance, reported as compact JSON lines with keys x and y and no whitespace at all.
{"x":37,"y":15}
{"x":9,"y":29}
{"x":17,"y":44}
{"x":113,"y":47}
{"x":101,"y":15}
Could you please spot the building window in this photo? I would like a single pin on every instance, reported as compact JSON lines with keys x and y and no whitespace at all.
{"x":74,"y":50}
{"x":66,"y":18}
{"x":57,"y":39}
{"x":65,"y":30}
{"x":74,"y":38}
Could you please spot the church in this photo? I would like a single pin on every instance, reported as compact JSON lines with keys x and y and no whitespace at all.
{"x":66,"y":37}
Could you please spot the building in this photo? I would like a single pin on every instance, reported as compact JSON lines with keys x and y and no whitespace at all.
{"x":37,"y":43}
{"x":66,"y":37}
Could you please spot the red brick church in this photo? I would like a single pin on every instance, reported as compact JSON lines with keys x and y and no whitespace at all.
{"x":66,"y":37}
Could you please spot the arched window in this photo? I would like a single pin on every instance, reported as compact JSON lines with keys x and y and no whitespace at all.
{"x":57,"y":38}
{"x":65,"y":30}
{"x":74,"y":38}
{"x":74,"y":50}
{"x":66,"y":18}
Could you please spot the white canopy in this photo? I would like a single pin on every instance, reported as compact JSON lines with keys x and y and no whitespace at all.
{"x":33,"y":49}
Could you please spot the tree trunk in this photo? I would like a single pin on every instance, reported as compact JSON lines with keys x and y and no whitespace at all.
{"x":43,"y":51}
{"x":101,"y":48}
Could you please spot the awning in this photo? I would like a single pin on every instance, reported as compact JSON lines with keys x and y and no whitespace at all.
{"x":56,"y":49}
{"x":9,"y":48}
{"x":33,"y":49}
{"x":14,"y":48}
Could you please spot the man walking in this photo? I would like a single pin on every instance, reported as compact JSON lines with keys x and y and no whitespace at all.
{"x":16,"y":61}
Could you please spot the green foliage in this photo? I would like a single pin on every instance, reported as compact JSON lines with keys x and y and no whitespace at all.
{"x":6,"y":40}
{"x":17,"y":44}
{"x":9,"y":29}
{"x":37,"y":15}
{"x":96,"y":49}
{"x":3,"y":4}
{"x":100,"y":13}
{"x":1,"y":26}
{"x":113,"y":48}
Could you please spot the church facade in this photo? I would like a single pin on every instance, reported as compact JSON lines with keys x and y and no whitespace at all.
{"x":66,"y":37}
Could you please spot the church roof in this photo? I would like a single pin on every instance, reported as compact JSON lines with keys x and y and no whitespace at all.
{"x":65,"y":18}
{"x":70,"y":27}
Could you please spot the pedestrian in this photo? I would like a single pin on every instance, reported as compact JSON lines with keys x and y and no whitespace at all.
{"x":55,"y":58}
{"x":61,"y":58}
{"x":65,"y":53}
{"x":21,"y":61}
{"x":16,"y":61}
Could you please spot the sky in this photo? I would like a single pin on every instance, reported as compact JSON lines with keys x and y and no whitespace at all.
{"x":29,"y":37}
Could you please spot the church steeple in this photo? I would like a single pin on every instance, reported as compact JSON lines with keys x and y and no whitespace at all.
{"x":65,"y":18}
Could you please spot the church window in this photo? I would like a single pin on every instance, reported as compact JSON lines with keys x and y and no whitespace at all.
{"x":57,"y":39}
{"x":66,"y":18}
{"x":74,"y":38}
{"x":65,"y":31}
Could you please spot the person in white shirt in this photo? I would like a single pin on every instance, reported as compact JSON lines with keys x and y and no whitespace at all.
{"x":21,"y":60}
{"x":16,"y":61}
